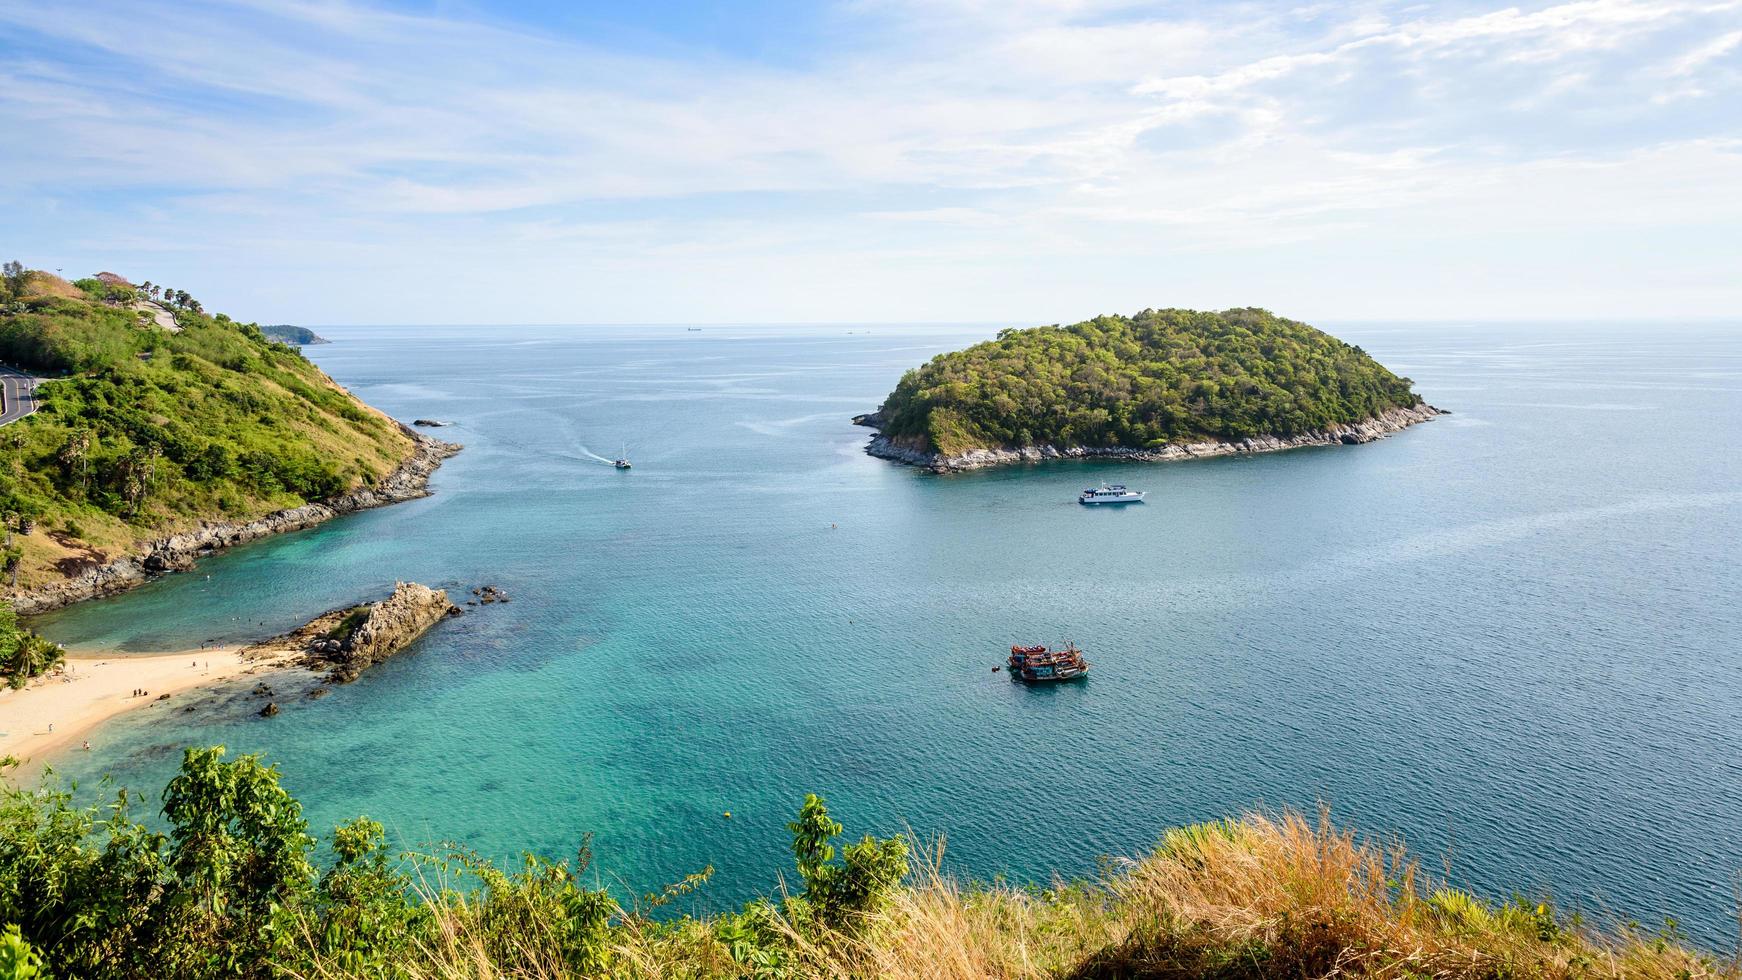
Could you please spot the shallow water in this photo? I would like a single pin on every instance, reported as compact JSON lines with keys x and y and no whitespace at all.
{"x":1511,"y":635}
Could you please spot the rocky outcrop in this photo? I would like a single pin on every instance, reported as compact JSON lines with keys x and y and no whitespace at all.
{"x":345,"y":642}
{"x":385,"y":628}
{"x":179,"y":551}
{"x":1382,"y":425}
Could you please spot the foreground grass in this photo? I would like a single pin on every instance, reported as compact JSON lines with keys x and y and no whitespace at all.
{"x":1260,"y":897}
{"x":233,"y":890}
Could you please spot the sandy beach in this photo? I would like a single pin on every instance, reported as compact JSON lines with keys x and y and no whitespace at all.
{"x":91,"y":690}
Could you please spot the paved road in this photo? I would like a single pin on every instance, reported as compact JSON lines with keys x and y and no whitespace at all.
{"x":17,"y":395}
{"x":163,"y":317}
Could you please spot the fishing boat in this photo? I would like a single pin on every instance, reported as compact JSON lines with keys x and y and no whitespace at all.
{"x":1038,"y":665}
{"x":622,"y":460}
{"x":1116,"y":493}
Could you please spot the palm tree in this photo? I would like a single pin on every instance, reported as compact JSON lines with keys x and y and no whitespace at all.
{"x":77,"y":453}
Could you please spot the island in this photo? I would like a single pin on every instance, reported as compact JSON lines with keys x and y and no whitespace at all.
{"x":284,"y":333}
{"x":1158,"y":385}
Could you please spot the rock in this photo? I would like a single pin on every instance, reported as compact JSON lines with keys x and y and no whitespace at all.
{"x":177,"y":552}
{"x":262,"y":691}
{"x":270,"y":710}
{"x":389,"y":626}
{"x":163,"y":697}
{"x":429,"y":423}
{"x":1386,"y":423}
{"x":159,"y":562}
{"x":318,"y":693}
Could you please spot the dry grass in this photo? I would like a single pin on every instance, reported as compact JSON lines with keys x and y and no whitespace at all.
{"x":1262,"y":897}
{"x":49,"y":284}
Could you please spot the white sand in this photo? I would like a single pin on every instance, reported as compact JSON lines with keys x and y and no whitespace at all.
{"x":90,"y":690}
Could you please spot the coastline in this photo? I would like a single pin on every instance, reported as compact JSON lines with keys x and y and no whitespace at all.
{"x":1384,"y":424}
{"x":178,"y":552}
{"x":89,"y":691}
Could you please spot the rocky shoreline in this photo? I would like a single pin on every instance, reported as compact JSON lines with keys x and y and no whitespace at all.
{"x":178,"y":552}
{"x":1386,"y":423}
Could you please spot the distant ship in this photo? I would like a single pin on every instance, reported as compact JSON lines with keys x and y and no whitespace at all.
{"x":1116,"y":493}
{"x":622,"y":460}
{"x":1040,"y":665}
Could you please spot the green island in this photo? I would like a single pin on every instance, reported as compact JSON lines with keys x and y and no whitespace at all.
{"x":156,"y":421}
{"x":230,"y":883}
{"x":1162,"y":384}
{"x":284,"y":333}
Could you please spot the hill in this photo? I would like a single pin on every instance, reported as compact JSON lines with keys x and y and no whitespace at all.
{"x":284,"y":333}
{"x":1160,"y":384}
{"x":150,"y":425}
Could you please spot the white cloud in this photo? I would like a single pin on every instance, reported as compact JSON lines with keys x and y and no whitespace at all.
{"x":988,"y":135}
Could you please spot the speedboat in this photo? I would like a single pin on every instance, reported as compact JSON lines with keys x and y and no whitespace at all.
{"x":1116,"y":493}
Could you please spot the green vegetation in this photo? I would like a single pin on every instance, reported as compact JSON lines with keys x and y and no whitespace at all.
{"x":232,"y":890}
{"x":1160,"y":377}
{"x":235,"y":888}
{"x":24,"y":654}
{"x":143,"y":430}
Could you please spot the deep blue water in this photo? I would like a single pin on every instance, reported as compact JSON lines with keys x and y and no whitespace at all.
{"x":1512,"y":636}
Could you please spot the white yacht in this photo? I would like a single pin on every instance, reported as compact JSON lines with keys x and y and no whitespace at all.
{"x":1116,"y":493}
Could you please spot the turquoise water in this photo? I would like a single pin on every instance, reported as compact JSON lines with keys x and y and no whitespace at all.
{"x":1512,"y":635}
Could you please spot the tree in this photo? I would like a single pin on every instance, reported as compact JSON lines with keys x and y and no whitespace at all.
{"x":76,"y":455}
{"x":837,"y":895}
{"x":15,"y":277}
{"x":137,"y":471}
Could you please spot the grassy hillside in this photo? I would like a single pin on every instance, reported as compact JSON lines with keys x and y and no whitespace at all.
{"x":144,"y":430}
{"x":1161,"y":376}
{"x":237,"y":889}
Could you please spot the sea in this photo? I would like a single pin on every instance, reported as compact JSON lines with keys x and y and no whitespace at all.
{"x":1510,"y":638}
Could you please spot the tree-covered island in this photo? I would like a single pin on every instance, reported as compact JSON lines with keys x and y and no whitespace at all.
{"x":1162,"y":384}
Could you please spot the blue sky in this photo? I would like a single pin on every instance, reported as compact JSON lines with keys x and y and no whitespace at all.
{"x":1019,"y":161}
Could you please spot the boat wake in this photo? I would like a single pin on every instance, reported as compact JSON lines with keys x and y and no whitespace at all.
{"x":588,"y":456}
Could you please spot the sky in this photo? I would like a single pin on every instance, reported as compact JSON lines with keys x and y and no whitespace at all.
{"x":1009,"y":161}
